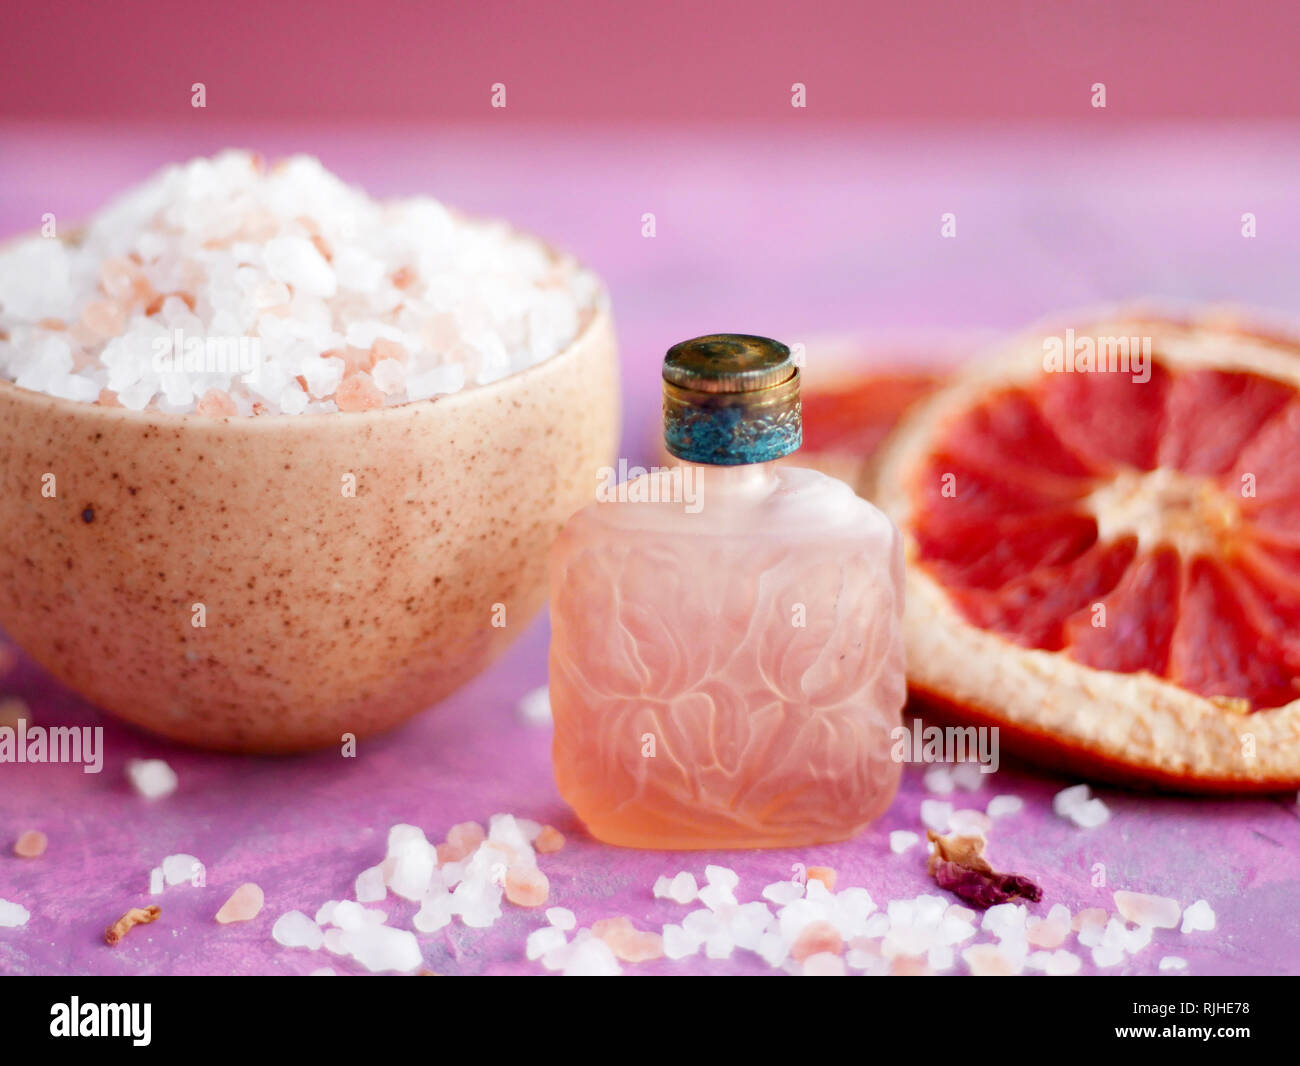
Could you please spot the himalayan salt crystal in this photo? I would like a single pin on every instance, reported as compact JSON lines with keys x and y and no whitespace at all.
{"x":462,"y":839}
{"x":1198,"y":917}
{"x":108,"y":398}
{"x":970,"y":823}
{"x":151,"y":778}
{"x":900,"y":840}
{"x":1004,"y":806}
{"x":683,"y":888}
{"x":827,"y":875}
{"x":358,"y":393}
{"x":1070,"y":799}
{"x":1104,"y":956}
{"x":591,"y":958}
{"x":370,"y":887}
{"x":783,"y":893}
{"x":355,"y":360}
{"x":13,"y":915}
{"x":104,"y":319}
{"x":627,"y":942}
{"x":968,"y":776}
{"x":815,"y":938}
{"x":1160,"y":912}
{"x":181,"y":868}
{"x":824,"y":964}
{"x":1049,"y":932}
{"x":216,"y":403}
{"x":389,"y":376}
{"x":938,"y":779}
{"x":244,"y":904}
{"x":31,"y":845}
{"x":935,"y":814}
{"x":535,"y":707}
{"x":678,"y":943}
{"x":1089,"y":916}
{"x":549,"y":840}
{"x":989,"y":960}
{"x":385,"y":349}
{"x":543,"y":940}
{"x":526,"y":886}
{"x":295,"y":930}
{"x":561,"y":918}
{"x":908,"y":966}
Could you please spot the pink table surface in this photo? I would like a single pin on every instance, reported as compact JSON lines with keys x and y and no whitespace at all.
{"x":791,"y":230}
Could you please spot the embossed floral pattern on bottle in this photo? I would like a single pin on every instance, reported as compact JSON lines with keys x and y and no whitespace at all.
{"x":728,"y":678}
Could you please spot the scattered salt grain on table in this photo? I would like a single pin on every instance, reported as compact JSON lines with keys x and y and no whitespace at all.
{"x":678,"y":943}
{"x":561,"y":918}
{"x":295,"y":930}
{"x":782,"y":892}
{"x":535,"y":707}
{"x":1173,"y":962}
{"x":151,"y":778}
{"x":683,"y":888}
{"x":244,"y":904}
{"x":526,"y":886}
{"x":1004,"y":806}
{"x":178,"y":869}
{"x":823,"y":965}
{"x":540,"y":941}
{"x":1159,"y":912}
{"x":156,"y":881}
{"x":13,"y":915}
{"x":31,"y":845}
{"x":1198,"y":917}
{"x":935,"y":814}
{"x":370,"y":887}
{"x":938,"y":779}
{"x":968,"y":776}
{"x":380,"y":948}
{"x":549,"y":840}
{"x":1078,"y":806}
{"x":900,"y":840}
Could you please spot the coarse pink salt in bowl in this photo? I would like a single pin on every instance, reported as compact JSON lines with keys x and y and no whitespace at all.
{"x":280,"y":463}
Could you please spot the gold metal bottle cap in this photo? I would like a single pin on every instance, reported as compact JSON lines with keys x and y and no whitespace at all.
{"x":730,"y":399}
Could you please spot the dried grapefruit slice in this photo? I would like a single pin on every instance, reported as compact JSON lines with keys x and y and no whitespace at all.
{"x":1106,"y":563}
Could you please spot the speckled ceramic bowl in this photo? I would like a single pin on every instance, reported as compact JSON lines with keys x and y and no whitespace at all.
{"x":324,"y":613}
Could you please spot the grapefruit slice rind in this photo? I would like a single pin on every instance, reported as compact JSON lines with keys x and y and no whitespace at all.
{"x":1172,"y":504}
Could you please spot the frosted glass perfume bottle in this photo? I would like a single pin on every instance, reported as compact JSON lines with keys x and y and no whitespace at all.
{"x":726,"y":658}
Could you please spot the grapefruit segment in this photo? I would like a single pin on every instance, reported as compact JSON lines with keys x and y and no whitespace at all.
{"x":1221,"y":650}
{"x":1115,"y":580}
{"x":1241,"y":404}
{"x":1109,"y":417}
{"x":1130,"y":629}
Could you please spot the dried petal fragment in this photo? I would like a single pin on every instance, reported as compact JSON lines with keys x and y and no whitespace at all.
{"x":958,"y":865}
{"x":135,"y":916}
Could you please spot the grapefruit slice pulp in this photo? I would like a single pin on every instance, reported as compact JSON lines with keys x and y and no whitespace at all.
{"x":1107,"y":563}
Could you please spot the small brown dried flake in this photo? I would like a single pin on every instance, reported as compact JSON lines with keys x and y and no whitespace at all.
{"x":135,"y":916}
{"x":958,"y":866}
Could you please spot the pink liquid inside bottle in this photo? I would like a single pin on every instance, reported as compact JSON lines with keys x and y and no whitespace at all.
{"x":726,"y":662}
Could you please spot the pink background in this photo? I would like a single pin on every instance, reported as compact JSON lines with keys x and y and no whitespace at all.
{"x":795,"y":228}
{"x":674,"y":59}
